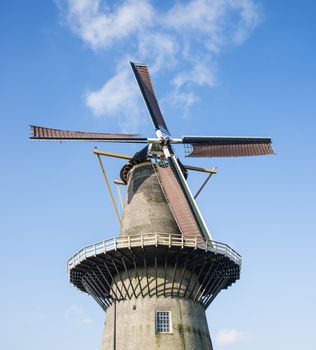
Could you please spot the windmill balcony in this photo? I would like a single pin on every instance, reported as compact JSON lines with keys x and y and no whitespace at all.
{"x":154,"y":265}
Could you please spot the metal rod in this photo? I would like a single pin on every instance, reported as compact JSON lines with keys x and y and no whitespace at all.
{"x":203,"y":185}
{"x":203,"y":170}
{"x":119,"y":182}
{"x":199,"y":218}
{"x":109,"y":190}
{"x":127,"y":157}
{"x":156,"y":273}
{"x":114,"y":325}
{"x":111,"y":154}
{"x":119,"y":194}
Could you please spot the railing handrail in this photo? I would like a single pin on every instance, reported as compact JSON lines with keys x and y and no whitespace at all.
{"x":152,"y":239}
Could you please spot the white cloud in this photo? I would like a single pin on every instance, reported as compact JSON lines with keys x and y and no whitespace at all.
{"x":118,"y":97}
{"x":228,"y":337}
{"x":100,"y":27}
{"x":185,"y":39}
{"x":184,"y":99}
{"x":160,"y":46}
{"x":200,"y":74}
{"x":77,"y":315}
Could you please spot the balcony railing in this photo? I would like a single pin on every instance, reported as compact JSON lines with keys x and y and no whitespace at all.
{"x":151,"y":239}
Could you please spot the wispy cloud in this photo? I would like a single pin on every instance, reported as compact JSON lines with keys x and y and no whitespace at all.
{"x":228,"y":337}
{"x":77,"y":315}
{"x":101,"y":26}
{"x":186,"y":39}
{"x":117,"y":96}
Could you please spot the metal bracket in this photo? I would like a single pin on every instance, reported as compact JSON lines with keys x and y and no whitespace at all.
{"x":205,"y":182}
{"x":109,"y":188}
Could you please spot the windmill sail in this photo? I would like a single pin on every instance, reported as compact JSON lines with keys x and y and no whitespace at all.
{"x":177,"y":202}
{"x":181,"y":201}
{"x":175,"y":187}
{"x":40,"y":133}
{"x":146,"y":87}
{"x":217,"y":146}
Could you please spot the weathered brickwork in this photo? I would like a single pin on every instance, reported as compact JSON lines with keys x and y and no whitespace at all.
{"x":169,"y":282}
{"x":146,"y":209}
{"x":156,"y":288}
{"x":135,"y":325}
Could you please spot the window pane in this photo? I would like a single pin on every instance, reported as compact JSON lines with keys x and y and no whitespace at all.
{"x":163,"y":321}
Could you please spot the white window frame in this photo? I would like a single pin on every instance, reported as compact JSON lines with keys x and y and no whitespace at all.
{"x":170,"y":322}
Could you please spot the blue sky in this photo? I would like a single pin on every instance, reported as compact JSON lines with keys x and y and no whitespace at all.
{"x":238,"y":67}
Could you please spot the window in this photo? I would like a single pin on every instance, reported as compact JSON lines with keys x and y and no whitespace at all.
{"x":163,"y":322}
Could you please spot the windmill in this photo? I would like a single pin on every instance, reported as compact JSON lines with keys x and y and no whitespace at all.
{"x":157,"y":278}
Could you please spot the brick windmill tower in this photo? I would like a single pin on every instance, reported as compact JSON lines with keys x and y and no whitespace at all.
{"x":156,"y":279}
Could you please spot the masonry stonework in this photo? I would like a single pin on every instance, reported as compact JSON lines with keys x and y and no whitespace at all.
{"x":132,"y":321}
{"x":135,"y":325}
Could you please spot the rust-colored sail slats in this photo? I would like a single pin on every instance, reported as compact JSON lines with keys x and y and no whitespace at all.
{"x":145,"y":77}
{"x":178,"y":202}
{"x":40,"y":133}
{"x":200,"y":150}
{"x":212,"y":146}
{"x":146,"y":87}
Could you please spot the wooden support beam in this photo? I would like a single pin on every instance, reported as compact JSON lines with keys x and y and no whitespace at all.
{"x":197,"y":280}
{"x":96,"y":286}
{"x":210,"y":283}
{"x":203,"y":170}
{"x":209,"y":271}
{"x":127,"y":157}
{"x":189,"y":282}
{"x":218,"y":289}
{"x":111,"y":154}
{"x":107,"y":283}
{"x":183,"y":272}
{"x":129,"y":277}
{"x":137,"y":274}
{"x":118,"y":272}
{"x":165,"y":276}
{"x":146,"y":272}
{"x":174,"y":274}
{"x":104,"y":291}
{"x":90,"y":292}
{"x":95,"y":291}
{"x":120,"y":195}
{"x":109,"y":190}
{"x":203,"y":185}
{"x":119,"y":182}
{"x":113,"y":279}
